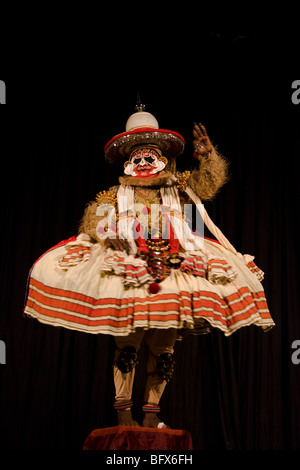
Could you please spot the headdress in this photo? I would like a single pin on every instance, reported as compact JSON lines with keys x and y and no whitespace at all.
{"x":142,"y":129}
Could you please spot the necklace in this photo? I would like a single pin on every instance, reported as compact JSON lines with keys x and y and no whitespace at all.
{"x":143,"y":195}
{"x":152,"y":196}
{"x":147,"y":203}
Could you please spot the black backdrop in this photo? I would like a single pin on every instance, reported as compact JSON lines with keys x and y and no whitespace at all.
{"x":239,"y":393}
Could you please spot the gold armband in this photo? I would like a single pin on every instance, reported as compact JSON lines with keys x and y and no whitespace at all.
{"x":106,"y":197}
{"x":182,"y":179}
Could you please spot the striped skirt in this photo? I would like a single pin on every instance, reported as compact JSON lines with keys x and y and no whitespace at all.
{"x":83,"y":286}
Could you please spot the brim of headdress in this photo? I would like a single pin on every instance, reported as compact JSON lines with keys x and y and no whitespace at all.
{"x":171,"y":143}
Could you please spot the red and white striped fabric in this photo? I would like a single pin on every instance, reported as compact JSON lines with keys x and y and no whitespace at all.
{"x":107,"y":292}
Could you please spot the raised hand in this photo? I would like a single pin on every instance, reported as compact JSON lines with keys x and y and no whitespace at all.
{"x":202,"y":143}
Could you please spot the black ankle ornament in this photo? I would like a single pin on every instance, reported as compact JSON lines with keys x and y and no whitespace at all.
{"x":127,"y":359}
{"x":165,"y":366}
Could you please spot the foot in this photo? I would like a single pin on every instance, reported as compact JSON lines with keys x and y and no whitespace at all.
{"x":125,"y":419}
{"x":151,"y":420}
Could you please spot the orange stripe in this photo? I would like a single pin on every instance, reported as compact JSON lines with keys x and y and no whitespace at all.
{"x":134,"y":273}
{"x":144,"y":304}
{"x":226,"y":310}
{"x":81,"y":309}
{"x":74,"y":319}
{"x":60,"y":292}
{"x":218,"y":262}
{"x":119,"y":308}
{"x":93,"y":301}
{"x":88,"y":321}
{"x":202,"y":304}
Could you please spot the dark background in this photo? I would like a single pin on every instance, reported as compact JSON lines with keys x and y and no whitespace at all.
{"x":236,"y":393}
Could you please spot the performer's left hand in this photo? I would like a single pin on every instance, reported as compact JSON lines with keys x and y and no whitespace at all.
{"x":117,"y":244}
{"x":202,"y":143}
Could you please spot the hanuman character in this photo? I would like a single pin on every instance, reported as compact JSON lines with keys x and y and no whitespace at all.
{"x":139,"y":270}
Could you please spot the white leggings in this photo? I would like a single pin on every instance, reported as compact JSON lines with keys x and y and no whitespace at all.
{"x":159,"y":341}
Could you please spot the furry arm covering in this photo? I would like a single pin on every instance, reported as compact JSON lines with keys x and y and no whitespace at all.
{"x":89,"y":222}
{"x":90,"y":219}
{"x":210,"y":177}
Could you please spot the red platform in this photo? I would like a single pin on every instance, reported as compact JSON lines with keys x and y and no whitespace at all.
{"x":131,"y":438}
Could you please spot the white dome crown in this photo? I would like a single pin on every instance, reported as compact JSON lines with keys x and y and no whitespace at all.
{"x":141,"y":119}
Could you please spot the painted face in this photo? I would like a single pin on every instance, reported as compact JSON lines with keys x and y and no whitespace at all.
{"x":144,"y":162}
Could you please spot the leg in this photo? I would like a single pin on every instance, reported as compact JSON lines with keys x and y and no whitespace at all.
{"x":124,"y":375}
{"x":161,"y":344}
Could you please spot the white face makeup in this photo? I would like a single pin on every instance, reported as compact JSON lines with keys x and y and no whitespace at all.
{"x":144,"y":162}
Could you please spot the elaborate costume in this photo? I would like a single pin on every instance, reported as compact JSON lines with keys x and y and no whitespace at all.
{"x":138,"y":267}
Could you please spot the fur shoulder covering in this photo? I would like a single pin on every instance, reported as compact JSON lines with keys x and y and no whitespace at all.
{"x":90,"y":219}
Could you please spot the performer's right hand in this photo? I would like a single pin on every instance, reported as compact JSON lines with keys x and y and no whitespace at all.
{"x":117,"y":244}
{"x":202,"y":143}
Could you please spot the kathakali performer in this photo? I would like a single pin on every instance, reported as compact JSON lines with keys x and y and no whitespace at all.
{"x":139,"y":269}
